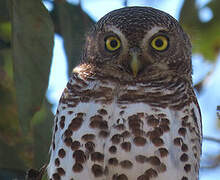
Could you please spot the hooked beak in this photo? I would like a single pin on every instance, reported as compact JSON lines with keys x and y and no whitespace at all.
{"x":135,"y":64}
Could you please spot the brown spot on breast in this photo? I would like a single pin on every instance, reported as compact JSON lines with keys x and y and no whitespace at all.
{"x":141,"y":158}
{"x":103,"y":134}
{"x":143,"y":177}
{"x":184,"y":157}
{"x":96,"y":117}
{"x":56,"y":176}
{"x":156,"y":133}
{"x":79,"y":156}
{"x":97,"y":170}
{"x":163,"y":152}
{"x":182,"y":131}
{"x":151,"y":173}
{"x":120,"y":177}
{"x":64,"y":107}
{"x":154,"y":160}
{"x":118,"y":121}
{"x":102,"y":112}
{"x":126,"y":146}
{"x":76,"y":123}
{"x":187,"y":167}
{"x":157,"y":141}
{"x":98,"y":122}
{"x":184,"y":178}
{"x":68,"y":133}
{"x":116,"y":139}
{"x":70,"y":112}
{"x":62,"y":122}
{"x":139,"y":141}
{"x":57,"y":162}
{"x":113,"y":149}
{"x":184,"y":147}
{"x":61,"y":153}
{"x":122,"y":112}
{"x":152,"y":121}
{"x":126,"y":164}
{"x":113,"y":161}
{"x":125,"y":134}
{"x":164,"y":121}
{"x":185,"y":118}
{"x":97,"y":156}
{"x":60,"y":171}
{"x":75,"y":145}
{"x":68,"y":141}
{"x":77,"y":167}
{"x":80,"y":114}
{"x":178,"y":141}
{"x":195,"y":155}
{"x":90,"y":146}
{"x":103,"y":125}
{"x":120,"y":127}
{"x":185,"y":123}
{"x":88,"y":137}
{"x":164,"y":127}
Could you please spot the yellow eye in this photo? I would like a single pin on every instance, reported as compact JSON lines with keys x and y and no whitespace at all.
{"x":160,"y":43}
{"x":112,"y":43}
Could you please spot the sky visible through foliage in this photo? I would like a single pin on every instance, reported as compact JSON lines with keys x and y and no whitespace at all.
{"x":209,"y":98}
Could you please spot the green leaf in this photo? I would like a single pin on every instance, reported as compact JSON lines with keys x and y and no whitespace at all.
{"x":42,"y":130}
{"x":8,"y":154}
{"x":204,"y":35}
{"x":73,"y":23}
{"x":189,"y":14}
{"x":32,"y":51}
{"x":5,"y":31}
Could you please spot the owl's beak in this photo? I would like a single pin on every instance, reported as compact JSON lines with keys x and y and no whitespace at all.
{"x":135,"y":64}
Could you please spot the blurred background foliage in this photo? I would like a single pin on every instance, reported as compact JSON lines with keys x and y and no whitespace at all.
{"x":26,"y":42}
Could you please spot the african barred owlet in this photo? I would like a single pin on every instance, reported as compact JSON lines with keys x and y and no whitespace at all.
{"x":129,"y":111}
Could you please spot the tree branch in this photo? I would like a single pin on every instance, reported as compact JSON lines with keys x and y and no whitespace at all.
{"x":208,"y":138}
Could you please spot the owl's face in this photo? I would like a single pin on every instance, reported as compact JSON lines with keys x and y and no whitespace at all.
{"x":137,"y":42}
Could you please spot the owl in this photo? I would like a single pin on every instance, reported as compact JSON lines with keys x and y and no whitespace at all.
{"x":129,"y":111}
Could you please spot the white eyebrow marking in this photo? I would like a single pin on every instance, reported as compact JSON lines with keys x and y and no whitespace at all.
{"x":149,"y":34}
{"x":153,"y":31}
{"x":115,"y":30}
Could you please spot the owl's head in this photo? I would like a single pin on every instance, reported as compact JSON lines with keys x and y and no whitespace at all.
{"x":136,"y":42}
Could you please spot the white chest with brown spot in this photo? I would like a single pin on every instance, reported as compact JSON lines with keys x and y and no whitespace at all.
{"x":101,"y":135}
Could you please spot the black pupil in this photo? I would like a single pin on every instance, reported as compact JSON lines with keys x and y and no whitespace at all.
{"x":113,"y":43}
{"x":159,"y":43}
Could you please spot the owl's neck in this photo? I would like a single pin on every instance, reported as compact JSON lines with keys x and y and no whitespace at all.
{"x":150,"y":78}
